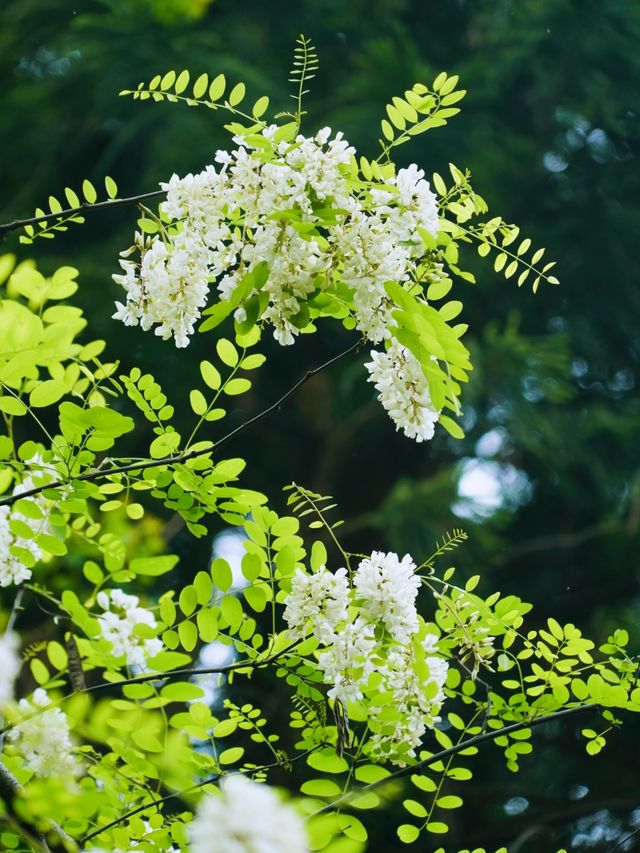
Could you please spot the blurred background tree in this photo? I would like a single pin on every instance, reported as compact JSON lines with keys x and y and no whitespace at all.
{"x":547,"y":481}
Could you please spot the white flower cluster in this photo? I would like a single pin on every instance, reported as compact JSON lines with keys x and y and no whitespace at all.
{"x":9,"y":666}
{"x":118,"y":626}
{"x":264,"y":204}
{"x":289,"y":205}
{"x":42,"y":737}
{"x":358,"y":658}
{"x":12,"y":567}
{"x":403,"y":390}
{"x":247,"y":817}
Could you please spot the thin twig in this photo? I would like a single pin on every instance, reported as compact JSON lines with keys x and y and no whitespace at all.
{"x":173,"y":673}
{"x":623,"y":841}
{"x":460,"y":747}
{"x":76,"y":211}
{"x":178,"y":458}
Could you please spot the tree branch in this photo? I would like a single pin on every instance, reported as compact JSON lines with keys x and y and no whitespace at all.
{"x":477,"y":740}
{"x":177,"y":458}
{"x":75,"y":211}
{"x":179,"y":673}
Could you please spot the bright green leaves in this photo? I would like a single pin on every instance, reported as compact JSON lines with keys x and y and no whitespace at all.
{"x":426,"y":332}
{"x":210,"y":375}
{"x":60,"y":214}
{"x":248,"y":294}
{"x":227,"y":352}
{"x":96,"y":428}
{"x":420,"y":109}
{"x":203,"y":91}
{"x":513,"y":260}
{"x":153,"y":566}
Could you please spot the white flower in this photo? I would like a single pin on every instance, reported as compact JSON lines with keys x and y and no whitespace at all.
{"x":247,"y":817}
{"x":118,"y":624}
{"x":9,"y":666}
{"x":170,"y":289}
{"x":416,"y":701}
{"x":320,"y":600}
{"x":387,"y":588}
{"x":369,"y":257}
{"x":348,"y":661}
{"x":42,"y":737}
{"x":403,"y":391}
{"x":12,"y":567}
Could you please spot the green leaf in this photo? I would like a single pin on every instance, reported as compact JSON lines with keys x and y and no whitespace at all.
{"x":320,"y":788}
{"x":449,"y":802}
{"x":39,"y":671}
{"x":198,"y":402}
{"x":231,"y":756}
{"x":153,"y":566}
{"x":216,"y":90}
{"x":188,"y":634}
{"x":415,"y":808}
{"x":437,"y":827}
{"x":237,"y":94}
{"x":164,"y":445}
{"x":256,"y":597}
{"x":166,"y":661}
{"x":221,"y":574}
{"x":408,"y":833}
{"x":89,"y":191}
{"x":326,"y":761}
{"x":111,"y":187}
{"x":57,"y":655}
{"x":368,"y":773}
{"x":260,"y":106}
{"x":451,"y":426}
{"x":46,"y":393}
{"x":236,"y":386}
{"x":188,"y":600}
{"x":203,"y":587}
{"x":210,"y":375}
{"x":182,"y":82}
{"x":200,"y":86}
{"x":227,"y":353}
{"x":12,"y":406}
{"x":207,"y":622}
{"x":146,"y":740}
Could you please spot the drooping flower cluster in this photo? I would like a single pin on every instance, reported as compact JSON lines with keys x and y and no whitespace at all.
{"x":373,"y":644}
{"x":300,"y":208}
{"x":247,"y":817}
{"x":9,"y":666}
{"x":118,"y":626}
{"x":42,"y":737}
{"x":403,"y":390}
{"x":17,"y":548}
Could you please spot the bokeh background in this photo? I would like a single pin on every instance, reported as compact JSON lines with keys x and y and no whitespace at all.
{"x":547,"y":481}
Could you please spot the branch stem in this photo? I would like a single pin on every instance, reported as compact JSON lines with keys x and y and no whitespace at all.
{"x":80,"y":210}
{"x":477,"y":740}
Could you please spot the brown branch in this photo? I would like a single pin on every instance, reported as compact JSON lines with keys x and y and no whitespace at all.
{"x":177,"y":458}
{"x":75,"y":211}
